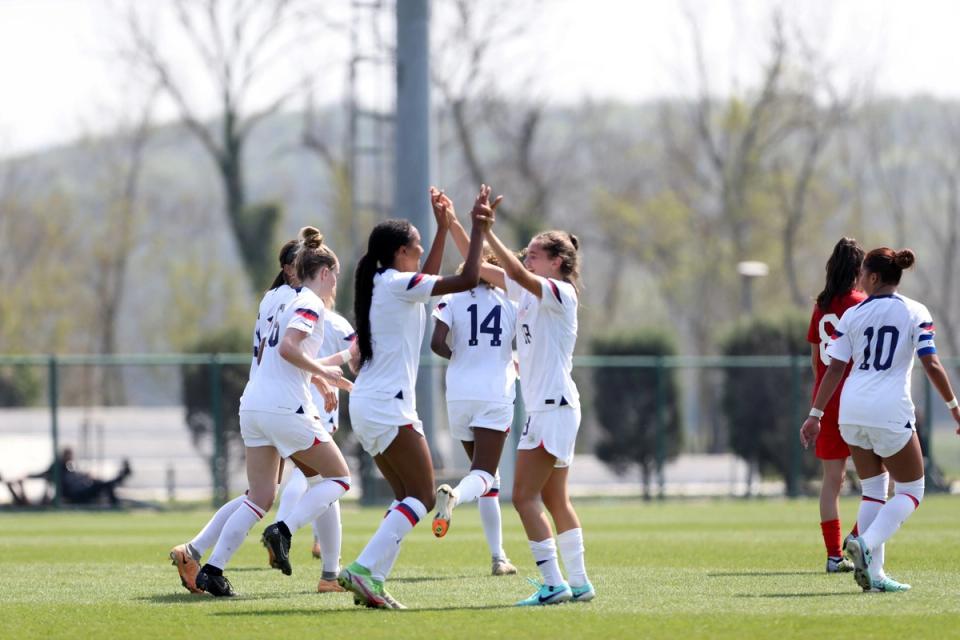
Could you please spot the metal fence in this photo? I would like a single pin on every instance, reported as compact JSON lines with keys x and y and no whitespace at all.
{"x":157,"y":393}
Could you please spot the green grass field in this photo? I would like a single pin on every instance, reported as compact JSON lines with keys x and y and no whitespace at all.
{"x":710,"y":569}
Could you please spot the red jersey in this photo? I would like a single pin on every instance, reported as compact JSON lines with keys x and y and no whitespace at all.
{"x":822,"y":325}
{"x":830,"y":444}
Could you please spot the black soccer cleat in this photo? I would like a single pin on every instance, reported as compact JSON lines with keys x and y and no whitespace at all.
{"x":279,"y":544}
{"x":217,"y":586}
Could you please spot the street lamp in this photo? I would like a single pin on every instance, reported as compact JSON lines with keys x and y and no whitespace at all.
{"x":750,"y":270}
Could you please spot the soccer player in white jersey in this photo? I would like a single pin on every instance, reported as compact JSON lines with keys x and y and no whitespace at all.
{"x":391,"y":290}
{"x":327,"y":530}
{"x":278,"y":419}
{"x":880,"y":336}
{"x":544,"y":286}
{"x":474,"y":330}
{"x":186,"y":557}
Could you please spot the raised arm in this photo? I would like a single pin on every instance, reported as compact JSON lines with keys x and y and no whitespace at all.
{"x":432,"y":264}
{"x":443,"y":205}
{"x":482,"y":219}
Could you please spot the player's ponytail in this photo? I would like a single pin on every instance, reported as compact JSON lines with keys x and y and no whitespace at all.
{"x":889,"y":264}
{"x":843,"y":269}
{"x":288,"y":253}
{"x":312,"y":254}
{"x":385,"y":239}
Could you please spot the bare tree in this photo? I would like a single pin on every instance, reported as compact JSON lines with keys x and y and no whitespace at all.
{"x":465,"y":79}
{"x":239,"y":43}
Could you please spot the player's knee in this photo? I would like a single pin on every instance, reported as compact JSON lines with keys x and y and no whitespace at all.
{"x":523,"y":500}
{"x":912,"y":490}
{"x":262,"y":498}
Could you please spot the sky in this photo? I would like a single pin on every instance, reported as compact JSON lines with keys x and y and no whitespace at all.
{"x":61,"y":75}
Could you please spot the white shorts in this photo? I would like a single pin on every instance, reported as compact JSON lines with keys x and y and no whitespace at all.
{"x":882,"y":441}
{"x":287,"y":432}
{"x":376,"y":422}
{"x":463,"y":415}
{"x":555,"y":430}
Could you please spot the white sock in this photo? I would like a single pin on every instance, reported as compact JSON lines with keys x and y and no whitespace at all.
{"x":473,"y":485}
{"x":570,"y":544}
{"x":234,"y":531}
{"x":874,"y":492}
{"x":906,"y":500}
{"x":489,"y":505}
{"x":328,"y":532}
{"x":209,"y":534}
{"x":386,"y":541}
{"x":384,"y":566}
{"x":545,"y":554}
{"x":322,"y":493}
{"x":292,"y":492}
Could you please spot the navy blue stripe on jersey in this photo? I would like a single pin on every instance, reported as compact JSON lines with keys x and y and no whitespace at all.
{"x":556,"y":290}
{"x":886,"y":295}
{"x":837,"y":334}
{"x":309,"y":314}
{"x":351,"y":337}
{"x":926,"y":336}
{"x":414,"y":281}
{"x":927,"y":351}
{"x":442,"y":305}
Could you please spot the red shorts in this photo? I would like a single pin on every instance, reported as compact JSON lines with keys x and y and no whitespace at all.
{"x":830,"y":445}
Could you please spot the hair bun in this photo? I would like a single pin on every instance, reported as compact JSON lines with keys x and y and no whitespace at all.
{"x":904,"y":258}
{"x":311,"y":237}
{"x":574,"y":241}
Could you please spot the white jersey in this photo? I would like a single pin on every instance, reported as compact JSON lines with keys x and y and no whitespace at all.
{"x":397,"y":317}
{"x":546,"y":336}
{"x":482,"y":324}
{"x":880,"y":336}
{"x":278,"y":386}
{"x":337,"y":336}
{"x":273,"y":300}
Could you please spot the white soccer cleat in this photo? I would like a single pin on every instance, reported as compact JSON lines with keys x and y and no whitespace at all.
{"x":446,"y":501}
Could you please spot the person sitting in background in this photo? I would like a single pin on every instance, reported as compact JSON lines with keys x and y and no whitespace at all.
{"x":78,"y":487}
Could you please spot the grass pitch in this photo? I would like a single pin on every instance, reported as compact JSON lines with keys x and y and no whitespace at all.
{"x":712,"y":569}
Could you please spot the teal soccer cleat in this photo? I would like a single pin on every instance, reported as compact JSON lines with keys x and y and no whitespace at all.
{"x":584,"y":593}
{"x":887,"y":585}
{"x":545,"y":595}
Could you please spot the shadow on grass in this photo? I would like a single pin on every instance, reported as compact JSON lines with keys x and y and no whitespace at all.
{"x":200,"y":598}
{"x":355,"y":609}
{"x":798,"y":595}
{"x":413,"y":579}
{"x":760,"y":574}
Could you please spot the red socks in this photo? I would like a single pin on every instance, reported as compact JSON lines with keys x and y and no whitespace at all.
{"x":831,"y":537}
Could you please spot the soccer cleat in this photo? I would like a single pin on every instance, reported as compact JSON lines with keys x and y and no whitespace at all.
{"x":446,"y":501}
{"x":391,"y":601}
{"x":545,"y":595}
{"x":839,"y":565}
{"x":357,"y":579}
{"x":887,"y":585}
{"x":217,"y":586}
{"x":316,"y":550}
{"x":849,"y":537}
{"x":278,"y":545}
{"x":857,"y":552}
{"x":186,"y":566}
{"x":503,"y":567}
{"x":584,"y":593}
{"x":329,"y":586}
{"x":271,"y":559}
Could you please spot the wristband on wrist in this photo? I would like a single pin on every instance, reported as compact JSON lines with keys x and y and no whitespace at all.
{"x":953,"y":404}
{"x":816,"y":413}
{"x":344,"y":356}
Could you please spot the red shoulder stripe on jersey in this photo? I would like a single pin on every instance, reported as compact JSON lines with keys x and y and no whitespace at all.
{"x":442,"y":305}
{"x":308,"y":314}
{"x":556,"y":290}
{"x":414,"y":281}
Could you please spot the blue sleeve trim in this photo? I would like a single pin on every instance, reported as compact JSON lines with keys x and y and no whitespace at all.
{"x":927,"y":351}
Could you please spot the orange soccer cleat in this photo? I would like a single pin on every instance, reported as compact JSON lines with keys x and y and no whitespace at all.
{"x":186,"y":566}
{"x":329,"y":586}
